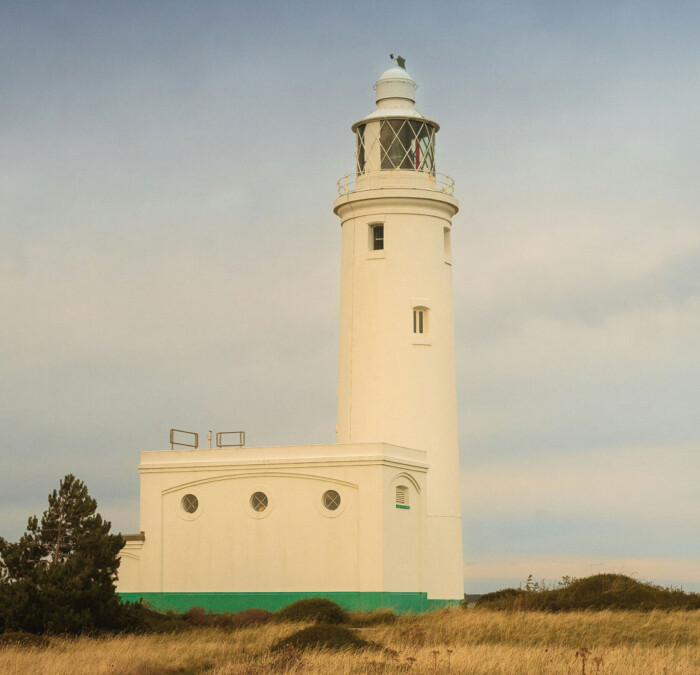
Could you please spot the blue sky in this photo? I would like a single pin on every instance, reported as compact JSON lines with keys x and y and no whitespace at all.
{"x":169,"y":257}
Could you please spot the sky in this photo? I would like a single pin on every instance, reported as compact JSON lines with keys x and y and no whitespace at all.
{"x":169,"y":256}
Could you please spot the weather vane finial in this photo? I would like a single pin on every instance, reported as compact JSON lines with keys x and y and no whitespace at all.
{"x":400,"y":61}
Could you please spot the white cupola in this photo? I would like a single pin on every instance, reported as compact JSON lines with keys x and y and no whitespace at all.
{"x":395,"y":89}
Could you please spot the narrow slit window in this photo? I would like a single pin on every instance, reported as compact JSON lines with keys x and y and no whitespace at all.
{"x":419,"y":320}
{"x":377,"y":237}
{"x":361,"y":148}
{"x":447,"y":244}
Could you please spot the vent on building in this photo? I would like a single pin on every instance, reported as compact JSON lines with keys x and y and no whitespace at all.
{"x":402,"y":497}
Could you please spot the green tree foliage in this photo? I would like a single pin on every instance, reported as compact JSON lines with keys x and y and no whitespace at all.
{"x":59,"y":577}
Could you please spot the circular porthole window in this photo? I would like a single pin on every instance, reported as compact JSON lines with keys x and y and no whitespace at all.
{"x":258,"y":501}
{"x":190,"y":503}
{"x":331,"y":500}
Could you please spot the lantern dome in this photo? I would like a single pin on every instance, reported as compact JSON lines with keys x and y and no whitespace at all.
{"x":396,"y":84}
{"x":395,"y":98}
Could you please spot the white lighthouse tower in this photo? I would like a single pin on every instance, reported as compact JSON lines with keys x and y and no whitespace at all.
{"x":397,"y":358}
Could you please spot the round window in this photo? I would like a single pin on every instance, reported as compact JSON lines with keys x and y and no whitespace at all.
{"x":190,"y":503}
{"x":258,"y":501}
{"x":331,"y":500}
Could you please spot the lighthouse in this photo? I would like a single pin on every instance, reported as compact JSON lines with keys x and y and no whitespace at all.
{"x":372,"y":520}
{"x":397,"y":358}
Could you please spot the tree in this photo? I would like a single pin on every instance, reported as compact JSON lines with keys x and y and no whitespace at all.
{"x":59,"y":577}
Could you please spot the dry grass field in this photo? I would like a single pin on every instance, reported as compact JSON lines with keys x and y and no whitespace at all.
{"x":449,"y":641}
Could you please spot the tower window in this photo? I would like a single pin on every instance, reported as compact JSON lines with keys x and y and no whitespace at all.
{"x":447,"y":245}
{"x":376,"y":237}
{"x":420,"y":320}
{"x":402,"y":497}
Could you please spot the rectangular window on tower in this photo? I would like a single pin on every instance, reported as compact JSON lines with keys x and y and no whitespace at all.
{"x":447,"y":245}
{"x":377,"y":237}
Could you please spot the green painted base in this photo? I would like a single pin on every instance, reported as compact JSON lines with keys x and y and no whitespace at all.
{"x":401,"y":603}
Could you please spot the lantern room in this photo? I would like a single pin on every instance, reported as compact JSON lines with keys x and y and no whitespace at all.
{"x":395,"y":136}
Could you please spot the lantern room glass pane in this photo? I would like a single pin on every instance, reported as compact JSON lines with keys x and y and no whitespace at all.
{"x":407,"y":144}
{"x":360,"y":148}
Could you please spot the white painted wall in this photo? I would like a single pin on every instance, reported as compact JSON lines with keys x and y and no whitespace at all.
{"x":295,"y":544}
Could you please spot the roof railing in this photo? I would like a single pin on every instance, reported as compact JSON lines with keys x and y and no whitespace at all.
{"x":193,"y":436}
{"x":221,"y":444}
{"x":378,"y":180}
{"x":174,"y":442}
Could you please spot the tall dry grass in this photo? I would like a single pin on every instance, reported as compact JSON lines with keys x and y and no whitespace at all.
{"x":450,"y":641}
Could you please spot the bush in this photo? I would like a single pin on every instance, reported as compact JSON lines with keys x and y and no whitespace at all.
{"x":314,"y":609}
{"x":197,"y":616}
{"x":245,"y":618}
{"x":375,"y":618}
{"x":322,"y":636}
{"x":141,"y":618}
{"x":503,"y":597}
{"x":601,"y":591}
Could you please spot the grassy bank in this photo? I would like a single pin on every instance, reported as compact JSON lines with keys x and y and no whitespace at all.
{"x":457,"y":641}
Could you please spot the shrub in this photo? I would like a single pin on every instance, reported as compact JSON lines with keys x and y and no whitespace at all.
{"x":314,"y":609}
{"x":375,"y":618}
{"x":198,"y":616}
{"x":600,"y":591}
{"x":497,"y":599}
{"x":322,"y":636}
{"x":245,"y":618}
{"x":141,"y":618}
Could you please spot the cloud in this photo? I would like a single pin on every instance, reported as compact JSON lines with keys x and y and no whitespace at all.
{"x":630,"y":510}
{"x":577,"y":327}
{"x":633,"y":482}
